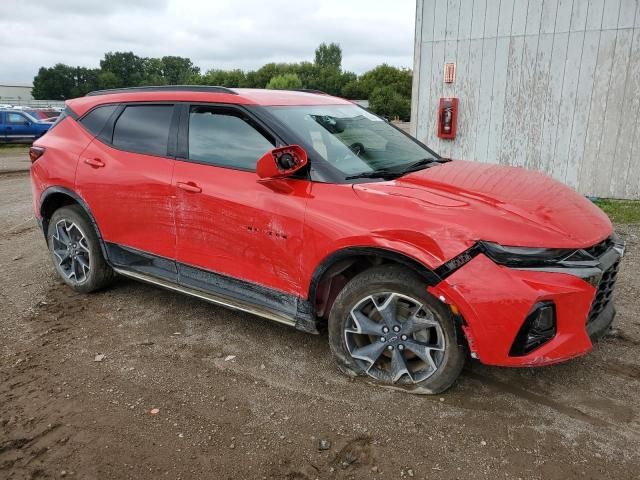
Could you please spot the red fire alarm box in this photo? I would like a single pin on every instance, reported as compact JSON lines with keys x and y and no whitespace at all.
{"x":447,"y":117}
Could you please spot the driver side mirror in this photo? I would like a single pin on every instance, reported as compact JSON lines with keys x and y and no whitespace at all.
{"x":281,"y":162}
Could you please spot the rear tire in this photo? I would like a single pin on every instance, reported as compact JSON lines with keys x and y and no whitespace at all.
{"x":76,"y":252}
{"x":385,"y":325}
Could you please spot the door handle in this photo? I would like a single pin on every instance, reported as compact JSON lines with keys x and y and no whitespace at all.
{"x":189,"y":187}
{"x":94,"y":162}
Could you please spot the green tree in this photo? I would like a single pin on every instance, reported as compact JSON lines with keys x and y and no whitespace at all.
{"x":235,"y":78}
{"x":108,"y":80}
{"x":261,"y":77}
{"x":329,"y":56}
{"x":85,"y":81}
{"x":153,"y":72}
{"x":288,"y":81}
{"x":385,"y":75}
{"x":179,"y":70}
{"x":56,"y":82}
{"x":126,"y":66}
{"x":224,"y":78}
{"x":353,"y":90}
{"x":124,"y":69}
{"x":388,"y":101}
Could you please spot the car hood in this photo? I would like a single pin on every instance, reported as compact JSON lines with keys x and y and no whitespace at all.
{"x":507,"y":205}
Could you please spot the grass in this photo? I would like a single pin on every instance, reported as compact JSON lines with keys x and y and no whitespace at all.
{"x":11,"y":146}
{"x":621,"y":211}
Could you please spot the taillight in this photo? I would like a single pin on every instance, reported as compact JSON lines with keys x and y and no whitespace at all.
{"x":35,"y":153}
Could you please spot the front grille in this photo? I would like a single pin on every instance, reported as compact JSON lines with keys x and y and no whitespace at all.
{"x":599,"y":248}
{"x":604,"y":292}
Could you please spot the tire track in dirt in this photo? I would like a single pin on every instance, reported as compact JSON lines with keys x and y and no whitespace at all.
{"x":545,"y":400}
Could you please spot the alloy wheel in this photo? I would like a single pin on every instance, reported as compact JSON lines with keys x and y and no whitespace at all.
{"x":395,"y":338}
{"x":71,"y":251}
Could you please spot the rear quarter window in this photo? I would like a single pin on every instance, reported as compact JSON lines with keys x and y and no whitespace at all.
{"x":96,"y":119}
{"x":143,"y":129}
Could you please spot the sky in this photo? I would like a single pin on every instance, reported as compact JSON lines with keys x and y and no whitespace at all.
{"x":223,"y":34}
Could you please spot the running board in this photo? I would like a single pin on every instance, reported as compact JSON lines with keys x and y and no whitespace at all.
{"x":227,"y":302}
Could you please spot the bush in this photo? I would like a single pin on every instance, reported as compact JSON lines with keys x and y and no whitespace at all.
{"x":387,"y":101}
{"x":288,"y":81}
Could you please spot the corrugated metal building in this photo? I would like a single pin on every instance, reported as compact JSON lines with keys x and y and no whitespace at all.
{"x":15,"y":92}
{"x":552,"y":85}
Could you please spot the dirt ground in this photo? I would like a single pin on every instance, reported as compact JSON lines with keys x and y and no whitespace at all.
{"x":242,"y":398}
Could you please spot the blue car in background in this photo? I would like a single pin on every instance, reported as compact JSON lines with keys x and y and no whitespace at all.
{"x":20,"y":127}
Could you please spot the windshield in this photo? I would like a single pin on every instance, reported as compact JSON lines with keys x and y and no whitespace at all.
{"x":351,"y":139}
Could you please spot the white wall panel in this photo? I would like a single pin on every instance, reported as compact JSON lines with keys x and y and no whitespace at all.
{"x":552,"y":85}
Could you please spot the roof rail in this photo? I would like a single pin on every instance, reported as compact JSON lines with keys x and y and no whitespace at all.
{"x":165,"y":88}
{"x":310,"y":90}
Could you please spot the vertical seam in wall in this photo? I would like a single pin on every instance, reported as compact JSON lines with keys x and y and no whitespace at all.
{"x":541,"y":164}
{"x":624,"y":88}
{"x":475,"y":133}
{"x":466,"y":73}
{"x":433,"y":31}
{"x":527,"y":164}
{"x":564,"y":74}
{"x":510,"y":37}
{"x":586,"y":134}
{"x":575,"y":100}
{"x":626,"y":79}
{"x":524,"y":42}
{"x":606,"y":100}
{"x":417,"y":59}
{"x":417,"y":56}
{"x":633,"y":36}
{"x":631,"y":189}
{"x":455,"y":83}
{"x":493,"y":78}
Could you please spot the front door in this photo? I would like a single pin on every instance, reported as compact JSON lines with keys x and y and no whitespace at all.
{"x":229,"y":226}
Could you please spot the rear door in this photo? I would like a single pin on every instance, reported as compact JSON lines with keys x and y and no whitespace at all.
{"x":125,"y":177}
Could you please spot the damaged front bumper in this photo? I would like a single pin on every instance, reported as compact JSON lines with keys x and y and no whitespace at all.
{"x":499,"y":306}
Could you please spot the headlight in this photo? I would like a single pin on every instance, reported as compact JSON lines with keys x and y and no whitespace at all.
{"x":525,"y":257}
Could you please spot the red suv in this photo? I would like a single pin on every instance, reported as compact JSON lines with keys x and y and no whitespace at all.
{"x":309,"y":210}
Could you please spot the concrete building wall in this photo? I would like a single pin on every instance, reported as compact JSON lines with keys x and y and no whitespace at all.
{"x":15,"y":92}
{"x":551,"y":85}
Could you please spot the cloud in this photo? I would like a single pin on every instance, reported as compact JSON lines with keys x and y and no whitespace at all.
{"x":214,"y":34}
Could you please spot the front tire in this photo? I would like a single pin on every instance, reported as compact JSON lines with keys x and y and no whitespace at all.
{"x":75,"y":250}
{"x":385,"y":325}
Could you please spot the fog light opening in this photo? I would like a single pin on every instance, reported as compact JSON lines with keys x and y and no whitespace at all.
{"x":538,"y":328}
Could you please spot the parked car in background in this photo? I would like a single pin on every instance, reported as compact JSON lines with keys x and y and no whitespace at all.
{"x":17,"y":126}
{"x":311,"y":211}
{"x":44,"y":115}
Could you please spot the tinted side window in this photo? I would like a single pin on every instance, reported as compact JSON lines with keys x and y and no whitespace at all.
{"x":143,"y":129}
{"x":96,"y":118}
{"x":224,"y":138}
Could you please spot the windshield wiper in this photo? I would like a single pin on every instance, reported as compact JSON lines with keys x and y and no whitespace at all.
{"x":412,"y":167}
{"x":389,"y":174}
{"x":386,"y":174}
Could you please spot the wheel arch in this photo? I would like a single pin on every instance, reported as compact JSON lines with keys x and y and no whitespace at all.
{"x":53,"y":198}
{"x":355,"y":260}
